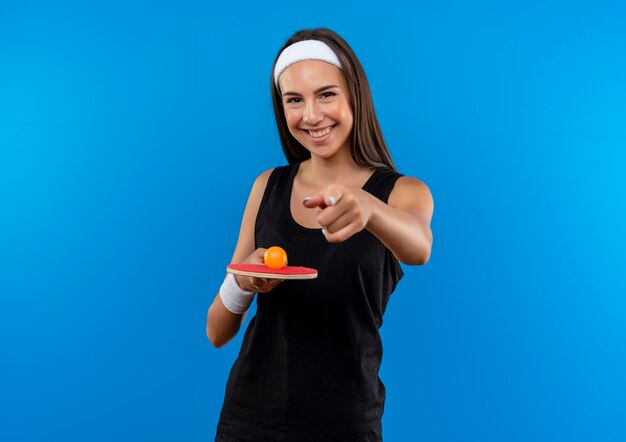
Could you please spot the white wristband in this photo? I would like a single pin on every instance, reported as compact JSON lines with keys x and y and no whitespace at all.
{"x":233,"y":297}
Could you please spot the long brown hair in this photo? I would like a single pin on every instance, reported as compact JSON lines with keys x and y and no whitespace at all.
{"x":367,"y":145}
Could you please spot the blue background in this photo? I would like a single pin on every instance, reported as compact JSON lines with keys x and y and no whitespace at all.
{"x":131,"y":133}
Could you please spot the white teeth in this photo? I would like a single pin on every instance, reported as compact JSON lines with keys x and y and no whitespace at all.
{"x":320,"y":133}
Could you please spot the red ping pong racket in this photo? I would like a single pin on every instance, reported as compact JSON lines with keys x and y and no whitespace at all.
{"x":262,"y":271}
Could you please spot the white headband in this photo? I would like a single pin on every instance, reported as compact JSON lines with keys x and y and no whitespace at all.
{"x":304,"y":50}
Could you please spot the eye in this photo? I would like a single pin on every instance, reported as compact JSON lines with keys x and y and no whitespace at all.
{"x":328,"y":94}
{"x":293,"y":100}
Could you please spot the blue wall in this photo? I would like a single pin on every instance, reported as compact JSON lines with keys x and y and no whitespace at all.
{"x":130,"y":135}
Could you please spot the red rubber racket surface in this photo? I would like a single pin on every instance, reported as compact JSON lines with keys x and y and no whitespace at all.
{"x":262,"y":271}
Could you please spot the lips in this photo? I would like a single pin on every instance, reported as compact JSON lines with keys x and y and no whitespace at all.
{"x":320,"y":133}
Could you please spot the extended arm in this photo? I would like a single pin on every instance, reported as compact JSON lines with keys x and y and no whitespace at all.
{"x":403,"y":224}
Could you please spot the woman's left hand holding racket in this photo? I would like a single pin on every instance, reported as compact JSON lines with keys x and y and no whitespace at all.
{"x":254,"y":284}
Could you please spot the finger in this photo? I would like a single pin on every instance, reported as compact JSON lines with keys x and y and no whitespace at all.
{"x":268,"y":285}
{"x":258,"y":257}
{"x":331,"y":214}
{"x":342,"y":234}
{"x":332,"y":195}
{"x":275,"y":282}
{"x":258,"y":285}
{"x":314,"y":201}
{"x":340,"y":222}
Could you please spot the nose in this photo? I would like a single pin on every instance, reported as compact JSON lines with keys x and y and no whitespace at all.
{"x":312,"y":115}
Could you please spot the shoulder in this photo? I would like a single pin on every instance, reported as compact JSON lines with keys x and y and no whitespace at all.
{"x":270,"y":176}
{"x":407,"y":184}
{"x":412,"y":192}
{"x":260,"y":183}
{"x":262,"y":179}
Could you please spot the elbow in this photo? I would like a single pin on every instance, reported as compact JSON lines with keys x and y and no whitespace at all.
{"x":215,"y":340}
{"x":417,"y":252}
{"x":417,"y":256}
{"x":417,"y":260}
{"x":425,"y":255}
{"x":424,"y":259}
{"x":422,"y":252}
{"x":215,"y":336}
{"x":211,"y":338}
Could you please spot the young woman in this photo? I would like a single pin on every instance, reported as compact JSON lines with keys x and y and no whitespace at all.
{"x":308,"y":365}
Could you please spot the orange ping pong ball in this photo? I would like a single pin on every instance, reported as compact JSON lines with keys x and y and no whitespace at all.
{"x":275,"y":258}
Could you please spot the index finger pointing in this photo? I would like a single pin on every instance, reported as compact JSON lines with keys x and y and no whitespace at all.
{"x":314,"y":201}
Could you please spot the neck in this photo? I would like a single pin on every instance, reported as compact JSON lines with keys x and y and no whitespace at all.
{"x":340,"y":168}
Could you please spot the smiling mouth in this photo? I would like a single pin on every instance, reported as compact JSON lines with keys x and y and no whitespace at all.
{"x":319,"y":133}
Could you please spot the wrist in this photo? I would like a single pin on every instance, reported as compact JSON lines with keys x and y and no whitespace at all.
{"x":234,"y":298}
{"x":370,"y":208}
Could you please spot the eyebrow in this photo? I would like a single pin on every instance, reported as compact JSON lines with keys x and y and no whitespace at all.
{"x":316,"y":91}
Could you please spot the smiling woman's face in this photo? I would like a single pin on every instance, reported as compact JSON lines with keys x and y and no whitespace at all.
{"x":317,"y":106}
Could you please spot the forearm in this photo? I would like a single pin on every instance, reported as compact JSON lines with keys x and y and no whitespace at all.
{"x":408,"y":237}
{"x":222,"y":325}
